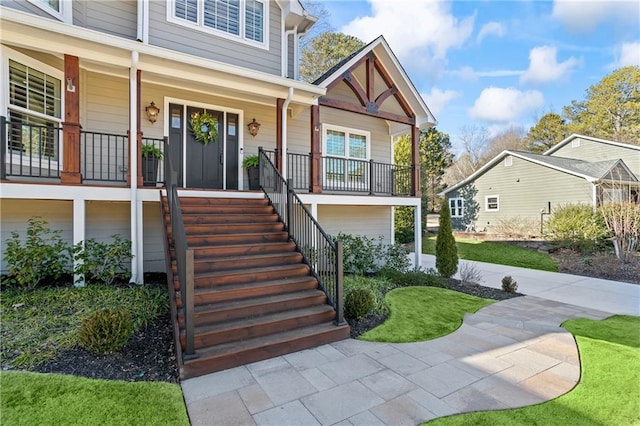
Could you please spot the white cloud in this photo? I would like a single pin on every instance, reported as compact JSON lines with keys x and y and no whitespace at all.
{"x":437,"y":99}
{"x":585,"y":16}
{"x":504,"y":105}
{"x":420,"y":33}
{"x":468,"y":73}
{"x":544,"y":66}
{"x":491,"y":28}
{"x":628,"y":54}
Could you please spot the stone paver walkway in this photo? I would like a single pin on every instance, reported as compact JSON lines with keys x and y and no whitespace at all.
{"x":509,"y":354}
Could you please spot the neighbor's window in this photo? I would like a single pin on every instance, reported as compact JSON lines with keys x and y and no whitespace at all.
{"x":456,"y":205}
{"x":241,"y":19}
{"x":491,"y":203}
{"x":34,"y":111}
{"x":346,"y":155}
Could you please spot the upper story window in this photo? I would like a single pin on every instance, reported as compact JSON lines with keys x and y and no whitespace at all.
{"x":237,"y":19}
{"x":60,"y":9}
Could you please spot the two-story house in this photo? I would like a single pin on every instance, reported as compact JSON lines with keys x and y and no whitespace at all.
{"x":86,"y":85}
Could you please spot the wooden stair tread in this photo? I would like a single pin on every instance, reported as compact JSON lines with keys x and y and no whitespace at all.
{"x":264,"y":319}
{"x":262,"y":341}
{"x":236,"y":304}
{"x":240,"y":258}
{"x":250,"y":271}
{"x":255,"y":285}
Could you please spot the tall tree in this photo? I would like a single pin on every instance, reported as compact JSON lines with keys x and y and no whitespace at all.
{"x":513,"y":138}
{"x":324,"y":51}
{"x":611,"y":108}
{"x":435,"y":158}
{"x":548,"y":131}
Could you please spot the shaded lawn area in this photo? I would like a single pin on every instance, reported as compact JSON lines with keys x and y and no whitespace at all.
{"x":609,"y":389}
{"x":496,"y":252}
{"x":423,"y":313}
{"x":38,"y":399}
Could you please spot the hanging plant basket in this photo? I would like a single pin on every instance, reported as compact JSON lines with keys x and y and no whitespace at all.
{"x":204,"y":127}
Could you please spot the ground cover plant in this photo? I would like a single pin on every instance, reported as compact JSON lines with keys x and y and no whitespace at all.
{"x":36,"y":399}
{"x":608,"y":392}
{"x":496,"y":252}
{"x":37,"y":325}
{"x":423,"y":313}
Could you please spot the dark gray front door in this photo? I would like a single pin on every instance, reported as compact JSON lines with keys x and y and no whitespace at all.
{"x":204,"y":163}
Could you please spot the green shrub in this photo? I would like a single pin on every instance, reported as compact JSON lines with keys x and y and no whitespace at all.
{"x":576,"y":227}
{"x":42,"y":255}
{"x":446,"y":250}
{"x":416,"y":277}
{"x":363,"y":255}
{"x":106,"y":331}
{"x":359,"y":302}
{"x":102,"y":262}
{"x":403,"y":224}
{"x":378,"y":286}
{"x":509,"y":285}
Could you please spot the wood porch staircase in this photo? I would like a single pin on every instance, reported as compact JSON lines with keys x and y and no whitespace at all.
{"x":254,"y":298}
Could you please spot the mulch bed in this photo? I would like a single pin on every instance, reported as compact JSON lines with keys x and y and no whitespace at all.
{"x":150,"y":356}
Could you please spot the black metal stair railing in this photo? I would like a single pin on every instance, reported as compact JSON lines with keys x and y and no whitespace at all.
{"x":183,"y":254}
{"x":319,"y":250}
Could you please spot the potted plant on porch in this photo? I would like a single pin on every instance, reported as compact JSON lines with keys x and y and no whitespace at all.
{"x":251,"y":163}
{"x":151,"y":156}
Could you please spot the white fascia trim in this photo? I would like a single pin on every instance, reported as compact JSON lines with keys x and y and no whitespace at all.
{"x":92,"y":36}
{"x":591,"y":138}
{"x":357,"y":200}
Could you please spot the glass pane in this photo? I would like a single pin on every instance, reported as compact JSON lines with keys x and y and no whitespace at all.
{"x":254,"y":15}
{"x":34,"y":136}
{"x":34,"y":90}
{"x":357,"y":146}
{"x":54,"y":4}
{"x":186,"y":9}
{"x":335,"y":143}
{"x":223,"y":15}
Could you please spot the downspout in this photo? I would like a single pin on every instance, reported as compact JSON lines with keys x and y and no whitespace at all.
{"x":285,"y":57}
{"x":133,"y":164}
{"x":145,"y":22}
{"x":140,"y":21}
{"x":285,"y":105}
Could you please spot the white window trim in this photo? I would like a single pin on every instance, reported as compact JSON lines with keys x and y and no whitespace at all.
{"x":65,"y":14}
{"x":5,"y":103}
{"x":199,"y":25}
{"x":454,"y":213}
{"x":347,"y":131}
{"x":486,"y":203}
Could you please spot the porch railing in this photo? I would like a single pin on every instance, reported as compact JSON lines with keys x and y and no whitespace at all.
{"x":320,"y":252}
{"x":153,"y":170}
{"x":183,"y":254}
{"x":30,"y":150}
{"x":372,"y":177}
{"x":104,"y":156}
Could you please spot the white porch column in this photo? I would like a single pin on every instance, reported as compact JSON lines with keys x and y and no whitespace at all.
{"x":79,"y":226}
{"x":418,"y":235}
{"x":139,"y":254}
{"x":136,"y":271}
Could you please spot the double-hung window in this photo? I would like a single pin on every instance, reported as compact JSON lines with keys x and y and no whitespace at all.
{"x":456,"y":206}
{"x":35,"y":111}
{"x":491,"y":203}
{"x":346,"y":158}
{"x":236,"y":19}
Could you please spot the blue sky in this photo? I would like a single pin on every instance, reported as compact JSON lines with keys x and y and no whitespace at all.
{"x":498,"y":64}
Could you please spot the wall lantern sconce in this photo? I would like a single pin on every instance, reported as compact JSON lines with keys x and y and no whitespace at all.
{"x":254,"y":126}
{"x":70,"y":86}
{"x":152,"y":112}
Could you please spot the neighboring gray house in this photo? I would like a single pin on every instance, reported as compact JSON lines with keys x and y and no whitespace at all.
{"x":523,"y":187}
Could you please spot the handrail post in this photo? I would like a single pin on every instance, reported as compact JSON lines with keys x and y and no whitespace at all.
{"x":188,"y":320}
{"x":339,"y":285}
{"x":371,"y":177}
{"x":289,"y":205}
{"x":3,"y":147}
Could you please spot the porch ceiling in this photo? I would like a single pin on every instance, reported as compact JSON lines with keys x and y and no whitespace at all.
{"x":103,"y":52}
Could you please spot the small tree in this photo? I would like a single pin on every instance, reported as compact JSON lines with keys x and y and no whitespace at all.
{"x":446,"y":250}
{"x":623,"y":221}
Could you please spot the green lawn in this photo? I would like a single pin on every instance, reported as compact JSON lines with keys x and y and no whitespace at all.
{"x":609,"y":389}
{"x":495,"y":252}
{"x":54,"y":399}
{"x":423,"y":313}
